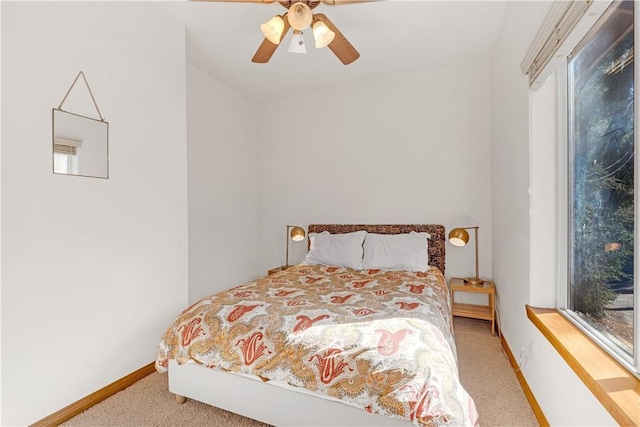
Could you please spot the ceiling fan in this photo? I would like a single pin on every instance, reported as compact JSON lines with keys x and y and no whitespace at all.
{"x":299,"y":17}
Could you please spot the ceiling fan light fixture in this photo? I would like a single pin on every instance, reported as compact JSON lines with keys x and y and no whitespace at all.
{"x":272,"y":29}
{"x":300,"y":16}
{"x":322,"y":34}
{"x":297,"y":43}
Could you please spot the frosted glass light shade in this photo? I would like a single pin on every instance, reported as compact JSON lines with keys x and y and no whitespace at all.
{"x":322,"y":34}
{"x":297,"y":43}
{"x":299,"y":16}
{"x":272,"y":29}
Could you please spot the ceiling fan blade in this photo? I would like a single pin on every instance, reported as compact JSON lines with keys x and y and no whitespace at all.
{"x":340,"y":46}
{"x":266,"y":49}
{"x":238,"y":1}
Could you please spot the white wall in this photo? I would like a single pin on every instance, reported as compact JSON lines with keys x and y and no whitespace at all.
{"x":564,"y":399}
{"x":223,"y":186}
{"x":544,"y":186}
{"x":376,"y":152}
{"x":93,"y":270}
{"x":405,"y":149}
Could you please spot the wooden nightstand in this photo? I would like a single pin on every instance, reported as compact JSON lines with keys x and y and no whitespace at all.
{"x":277,"y":269}
{"x":474,"y":311}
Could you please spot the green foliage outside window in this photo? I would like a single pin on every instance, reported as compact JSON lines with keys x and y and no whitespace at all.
{"x":603,"y":175}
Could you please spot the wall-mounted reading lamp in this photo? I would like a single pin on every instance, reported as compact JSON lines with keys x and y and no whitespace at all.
{"x":297,"y":234}
{"x":460,"y":237}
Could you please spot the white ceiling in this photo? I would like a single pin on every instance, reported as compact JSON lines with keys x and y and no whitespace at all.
{"x":393,"y":37}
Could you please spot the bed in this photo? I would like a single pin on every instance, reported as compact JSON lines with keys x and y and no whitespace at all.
{"x":326,"y":345}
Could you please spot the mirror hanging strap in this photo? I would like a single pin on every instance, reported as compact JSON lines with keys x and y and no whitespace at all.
{"x":90,"y":93}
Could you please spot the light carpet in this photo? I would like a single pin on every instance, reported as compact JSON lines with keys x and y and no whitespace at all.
{"x":485,"y":373}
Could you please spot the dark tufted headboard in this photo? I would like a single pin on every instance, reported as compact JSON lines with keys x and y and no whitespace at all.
{"x":436,"y":242}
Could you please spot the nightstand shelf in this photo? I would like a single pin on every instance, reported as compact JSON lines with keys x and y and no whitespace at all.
{"x":474,"y":311}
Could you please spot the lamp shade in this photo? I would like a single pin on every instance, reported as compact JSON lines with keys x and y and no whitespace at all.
{"x":272,"y":29}
{"x":322,"y":34}
{"x":297,"y":43}
{"x":297,"y":234}
{"x":299,"y":16}
{"x":458,"y":237}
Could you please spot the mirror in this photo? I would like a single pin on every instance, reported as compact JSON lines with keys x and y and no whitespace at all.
{"x":80,"y":145}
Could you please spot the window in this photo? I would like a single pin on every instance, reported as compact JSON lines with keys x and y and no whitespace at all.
{"x":601,"y":185}
{"x":65,"y":159}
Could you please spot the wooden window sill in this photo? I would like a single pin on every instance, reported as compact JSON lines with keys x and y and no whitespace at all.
{"x":613,"y":385}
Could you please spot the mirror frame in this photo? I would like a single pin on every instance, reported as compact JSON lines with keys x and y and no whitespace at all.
{"x":53,"y":136}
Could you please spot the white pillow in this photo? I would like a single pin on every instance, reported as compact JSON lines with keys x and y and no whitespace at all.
{"x":344,"y":250}
{"x":397,"y":251}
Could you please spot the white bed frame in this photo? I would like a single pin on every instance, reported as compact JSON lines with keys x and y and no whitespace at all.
{"x":265,"y":402}
{"x":274,"y":404}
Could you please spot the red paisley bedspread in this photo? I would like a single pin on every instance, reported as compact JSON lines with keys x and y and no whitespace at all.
{"x":380,"y":340}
